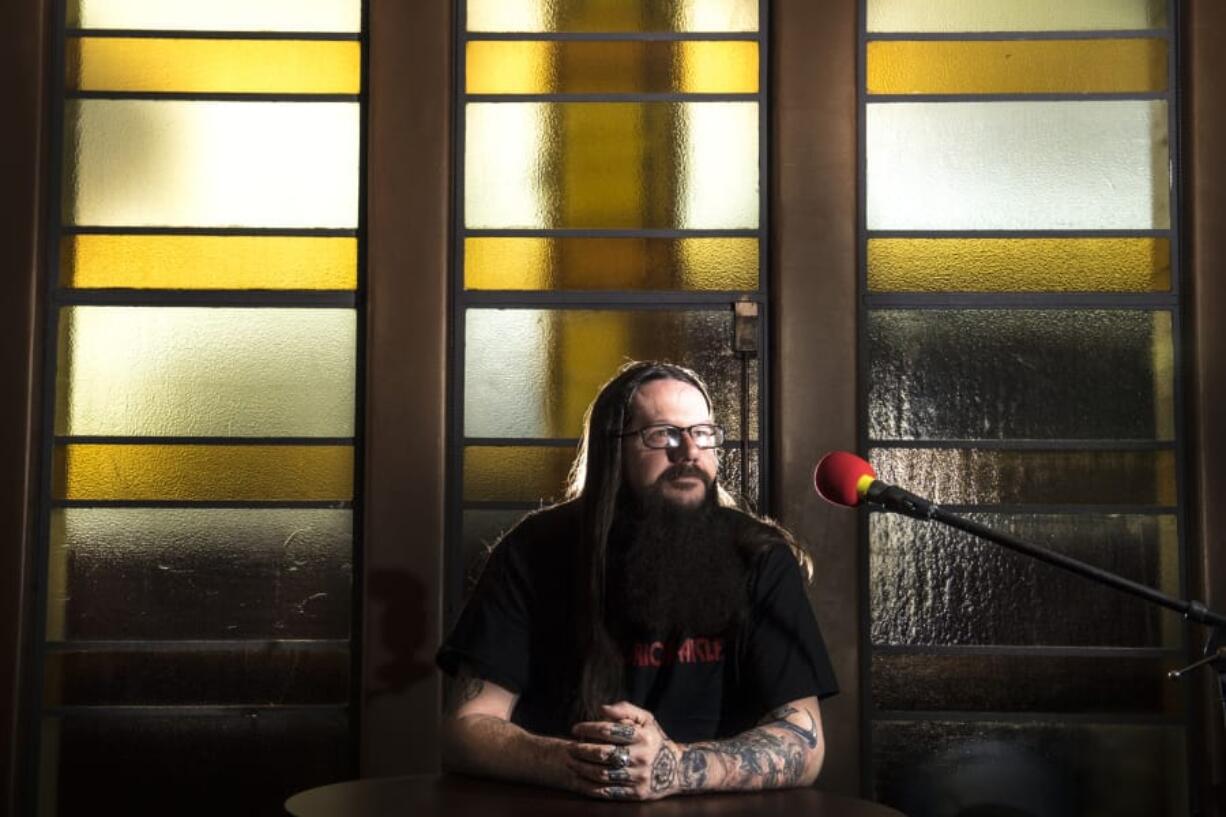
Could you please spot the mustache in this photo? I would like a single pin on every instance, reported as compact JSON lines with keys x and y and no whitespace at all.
{"x":682,"y":470}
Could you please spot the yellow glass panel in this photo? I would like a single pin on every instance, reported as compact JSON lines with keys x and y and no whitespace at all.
{"x":612,"y":15}
{"x":1017,"y":66}
{"x":513,"y":473}
{"x":337,"y":16}
{"x":691,"y":165}
{"x":206,"y":371}
{"x":611,"y":263}
{"x":1019,"y":264}
{"x":167,"y":163}
{"x":203,"y":66}
{"x":208,"y":262}
{"x":1014,"y":15}
{"x":535,"y":67}
{"x":204,"y":472}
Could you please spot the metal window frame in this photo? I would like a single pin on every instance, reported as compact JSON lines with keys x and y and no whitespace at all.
{"x":1170,"y":301}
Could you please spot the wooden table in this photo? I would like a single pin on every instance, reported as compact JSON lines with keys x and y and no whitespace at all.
{"x":449,"y":795}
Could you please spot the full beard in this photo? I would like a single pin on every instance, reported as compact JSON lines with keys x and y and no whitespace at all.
{"x":674,"y":571}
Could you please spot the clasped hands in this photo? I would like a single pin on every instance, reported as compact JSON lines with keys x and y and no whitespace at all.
{"x":626,"y":757}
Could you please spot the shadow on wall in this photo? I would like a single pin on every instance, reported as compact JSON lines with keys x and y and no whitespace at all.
{"x":400,"y":598}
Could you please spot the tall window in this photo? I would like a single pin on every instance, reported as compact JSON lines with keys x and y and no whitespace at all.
{"x":1020,"y":324}
{"x":203,"y":331}
{"x":610,"y":206}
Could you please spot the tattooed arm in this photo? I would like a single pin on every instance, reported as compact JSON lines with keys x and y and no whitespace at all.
{"x":786,"y":749}
{"x":478,"y":737}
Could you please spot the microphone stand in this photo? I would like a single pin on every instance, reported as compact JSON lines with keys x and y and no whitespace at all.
{"x":893,"y":498}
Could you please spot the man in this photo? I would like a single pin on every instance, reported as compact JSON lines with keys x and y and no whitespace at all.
{"x":641,"y":639}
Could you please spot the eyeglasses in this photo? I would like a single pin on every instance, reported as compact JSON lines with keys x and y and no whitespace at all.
{"x":662,"y":435}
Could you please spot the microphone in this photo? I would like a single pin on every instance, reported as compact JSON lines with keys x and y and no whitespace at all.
{"x":842,"y":478}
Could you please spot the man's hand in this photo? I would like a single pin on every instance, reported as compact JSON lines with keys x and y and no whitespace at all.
{"x":627,"y":757}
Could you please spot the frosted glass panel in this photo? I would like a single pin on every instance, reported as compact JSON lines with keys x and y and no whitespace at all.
{"x":137,"y":763}
{"x":532,"y":373}
{"x":208,"y":262}
{"x":1020,"y":374}
{"x":201,"y":66}
{"x":1017,"y":165}
{"x":218,"y":15}
{"x":626,"y":165}
{"x":611,"y":263}
{"x":1019,"y":264}
{"x":199,"y":573}
{"x":211,"y":164}
{"x":203,"y":472}
{"x":1014,"y":15}
{"x":261,"y":673}
{"x":591,"y":67}
{"x":516,"y":473}
{"x":1016,"y":66}
{"x":981,"y":477}
{"x":1050,"y":769}
{"x":622,"y":15}
{"x":188,"y":371}
{"x":929,"y":584}
{"x":1021,"y":683}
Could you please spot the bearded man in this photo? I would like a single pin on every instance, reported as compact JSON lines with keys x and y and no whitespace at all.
{"x":643,"y":638}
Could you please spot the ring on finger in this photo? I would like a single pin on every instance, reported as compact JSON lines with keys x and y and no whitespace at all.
{"x":618,"y":775}
{"x":619,"y":758}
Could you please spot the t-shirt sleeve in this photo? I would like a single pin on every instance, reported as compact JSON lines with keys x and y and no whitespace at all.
{"x":785,"y":658}
{"x":492,"y":635}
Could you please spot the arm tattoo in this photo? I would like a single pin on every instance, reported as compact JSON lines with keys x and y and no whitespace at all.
{"x":663,"y":770}
{"x":757,"y":759}
{"x":463,"y":688}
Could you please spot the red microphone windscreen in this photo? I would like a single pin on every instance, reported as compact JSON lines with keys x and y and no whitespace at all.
{"x":837,"y":475}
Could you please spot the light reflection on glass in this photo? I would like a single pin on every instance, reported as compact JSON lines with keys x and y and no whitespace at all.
{"x":132,"y":162}
{"x":218,"y":15}
{"x":1014,"y":15}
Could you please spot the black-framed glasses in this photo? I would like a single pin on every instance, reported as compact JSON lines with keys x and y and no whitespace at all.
{"x":663,"y":435}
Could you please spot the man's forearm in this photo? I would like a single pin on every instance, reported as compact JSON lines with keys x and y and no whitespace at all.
{"x":786,"y":751}
{"x":488,"y":746}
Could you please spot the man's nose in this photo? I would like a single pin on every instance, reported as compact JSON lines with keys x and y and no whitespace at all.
{"x":687,"y":451}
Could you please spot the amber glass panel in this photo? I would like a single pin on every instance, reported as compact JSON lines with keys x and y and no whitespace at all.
{"x":1019,"y":264}
{"x":1050,"y":769}
{"x":611,"y":263}
{"x":1020,"y":374}
{"x":201,"y":371}
{"x":168,"y":163}
{"x":1017,"y":66}
{"x":1014,"y":15}
{"x":982,"y":477}
{"x":931,"y":584}
{"x":203,"y":66}
{"x":690,"y":165}
{"x":1017,"y":165}
{"x":218,"y":15}
{"x":1025,"y":683}
{"x":278,"y":673}
{"x":612,"y":15}
{"x":204,"y":472}
{"x":199,"y":573}
{"x":533,"y":372}
{"x":137,"y":763}
{"x":512,"y":473}
{"x":208,"y":262}
{"x":619,"y":66}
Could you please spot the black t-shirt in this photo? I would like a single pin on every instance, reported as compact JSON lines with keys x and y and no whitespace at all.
{"x":516,"y":631}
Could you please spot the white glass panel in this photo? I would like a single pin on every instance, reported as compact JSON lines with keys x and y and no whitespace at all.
{"x":219,"y":15}
{"x":1017,"y":165}
{"x":211,"y":164}
{"x":188,"y":371}
{"x":1014,"y":15}
{"x":620,"y":15}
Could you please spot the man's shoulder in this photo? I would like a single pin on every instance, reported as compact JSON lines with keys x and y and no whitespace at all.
{"x":541,"y":530}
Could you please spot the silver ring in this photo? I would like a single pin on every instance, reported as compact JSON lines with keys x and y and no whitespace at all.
{"x":619,"y":758}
